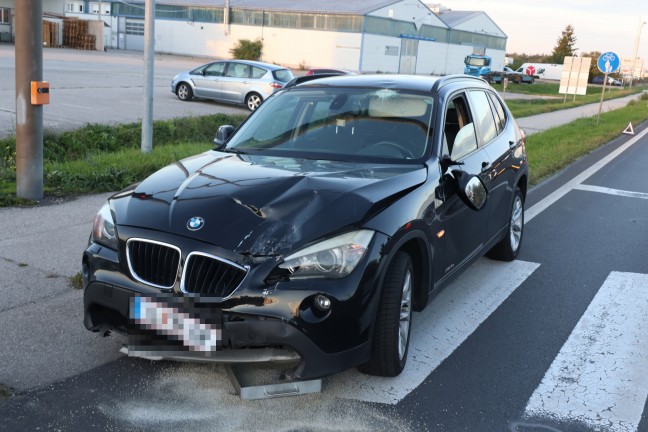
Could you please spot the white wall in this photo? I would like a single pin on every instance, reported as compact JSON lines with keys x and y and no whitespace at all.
{"x":54,"y":6}
{"x":311,"y":48}
{"x":373,"y":54}
{"x":287,"y":47}
{"x":431,"y":58}
{"x":456,"y":56}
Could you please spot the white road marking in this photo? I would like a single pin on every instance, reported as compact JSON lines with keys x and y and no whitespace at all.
{"x":439,"y":330}
{"x":600,"y":376}
{"x":610,"y":191}
{"x":564,"y":189}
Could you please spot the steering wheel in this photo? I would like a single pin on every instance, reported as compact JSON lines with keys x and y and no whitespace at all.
{"x":404,"y":151}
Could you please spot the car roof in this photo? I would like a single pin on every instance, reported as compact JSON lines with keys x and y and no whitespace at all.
{"x":421,"y":83}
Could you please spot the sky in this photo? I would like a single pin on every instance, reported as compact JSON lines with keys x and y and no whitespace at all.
{"x":534,"y":27}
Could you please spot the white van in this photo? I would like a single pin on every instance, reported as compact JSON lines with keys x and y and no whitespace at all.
{"x":542,"y":70}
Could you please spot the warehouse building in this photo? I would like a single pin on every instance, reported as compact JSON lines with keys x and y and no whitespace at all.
{"x":388,"y":36}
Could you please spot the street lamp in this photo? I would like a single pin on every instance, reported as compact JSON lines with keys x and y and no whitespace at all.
{"x":636,"y":50}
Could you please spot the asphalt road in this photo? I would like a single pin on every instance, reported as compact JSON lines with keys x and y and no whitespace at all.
{"x":97,"y":87}
{"x":555,"y":341}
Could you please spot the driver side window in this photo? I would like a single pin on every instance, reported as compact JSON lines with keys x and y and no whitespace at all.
{"x":459,"y":131}
{"x":215,"y":69}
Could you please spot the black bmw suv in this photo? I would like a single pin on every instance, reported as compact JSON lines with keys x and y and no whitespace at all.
{"x":313,"y":230}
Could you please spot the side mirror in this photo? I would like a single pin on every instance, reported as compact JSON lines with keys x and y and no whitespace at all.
{"x":471,"y":189}
{"x":223,"y":134}
{"x":446,"y":162}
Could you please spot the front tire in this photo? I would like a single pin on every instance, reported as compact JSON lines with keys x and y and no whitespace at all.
{"x":252,"y":101}
{"x":393,"y":321}
{"x":509,"y":247}
{"x":184,"y":92}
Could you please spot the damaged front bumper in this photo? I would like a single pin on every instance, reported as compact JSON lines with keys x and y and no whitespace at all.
{"x":258,"y":323}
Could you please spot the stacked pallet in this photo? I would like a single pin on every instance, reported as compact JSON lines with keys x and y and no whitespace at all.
{"x":51,"y":34}
{"x":75,"y":34}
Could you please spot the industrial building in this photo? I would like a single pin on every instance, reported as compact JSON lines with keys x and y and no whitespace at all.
{"x":388,"y":36}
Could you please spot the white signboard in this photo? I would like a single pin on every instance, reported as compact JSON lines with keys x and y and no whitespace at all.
{"x":574,"y":75}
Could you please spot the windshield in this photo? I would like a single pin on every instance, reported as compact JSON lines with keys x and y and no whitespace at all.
{"x":339,"y":123}
{"x":474,"y":61}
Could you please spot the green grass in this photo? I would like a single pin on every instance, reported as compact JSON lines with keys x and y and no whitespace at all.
{"x":76,"y":281}
{"x":528,"y":107}
{"x":103,"y":172}
{"x":5,"y":392}
{"x":554,"y":149}
{"x":98,"y":158}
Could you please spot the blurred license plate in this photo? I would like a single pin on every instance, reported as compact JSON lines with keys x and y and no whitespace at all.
{"x":169,"y":320}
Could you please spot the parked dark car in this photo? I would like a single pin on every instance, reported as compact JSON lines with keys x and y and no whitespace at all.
{"x":313,"y":231}
{"x":599,"y":79}
{"x":329,"y":71}
{"x":241,"y":82}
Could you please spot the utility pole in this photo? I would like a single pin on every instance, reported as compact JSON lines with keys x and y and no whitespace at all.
{"x":29,"y":118}
{"x":149,"y":58}
{"x":636,"y":51}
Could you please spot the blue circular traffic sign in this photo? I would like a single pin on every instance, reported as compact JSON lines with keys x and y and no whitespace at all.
{"x":608,"y":62}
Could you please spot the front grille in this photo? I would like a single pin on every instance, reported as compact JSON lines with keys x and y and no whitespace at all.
{"x":152,"y":262}
{"x":209,"y":275}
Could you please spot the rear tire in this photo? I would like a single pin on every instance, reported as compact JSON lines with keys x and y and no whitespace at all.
{"x":184,"y":92}
{"x":509,"y":247}
{"x":252,"y":101}
{"x":393,"y":321}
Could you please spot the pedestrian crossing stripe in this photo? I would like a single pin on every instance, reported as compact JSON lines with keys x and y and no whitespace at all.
{"x":600,"y":375}
{"x":439,"y":330}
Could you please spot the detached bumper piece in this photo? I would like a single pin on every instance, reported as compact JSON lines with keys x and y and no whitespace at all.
{"x":246,"y":382}
{"x":246,"y":379}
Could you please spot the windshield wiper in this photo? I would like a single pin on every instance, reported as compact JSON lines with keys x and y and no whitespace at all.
{"x":234,"y":150}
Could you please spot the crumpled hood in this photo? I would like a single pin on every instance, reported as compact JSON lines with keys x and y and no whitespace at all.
{"x":262,"y":205}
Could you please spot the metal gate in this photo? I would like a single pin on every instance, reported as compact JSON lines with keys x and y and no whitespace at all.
{"x":408,"y":52}
{"x":131,"y":34}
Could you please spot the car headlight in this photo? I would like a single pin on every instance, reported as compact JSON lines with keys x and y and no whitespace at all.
{"x":333,"y":258}
{"x":103,"y":229}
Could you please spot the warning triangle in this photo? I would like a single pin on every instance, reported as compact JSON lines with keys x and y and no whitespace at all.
{"x":629,"y":130}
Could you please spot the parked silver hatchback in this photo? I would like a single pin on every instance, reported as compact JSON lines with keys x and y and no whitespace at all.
{"x":234,"y":81}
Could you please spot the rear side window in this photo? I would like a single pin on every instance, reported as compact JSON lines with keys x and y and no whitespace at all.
{"x":238,"y":70}
{"x":283,"y":75}
{"x":258,"y":72}
{"x":500,"y":115}
{"x":483,"y":116}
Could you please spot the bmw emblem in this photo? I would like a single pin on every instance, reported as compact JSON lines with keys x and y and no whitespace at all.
{"x":195,"y":223}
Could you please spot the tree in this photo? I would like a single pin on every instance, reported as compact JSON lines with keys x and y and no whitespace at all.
{"x":564,"y":45}
{"x":593,"y":70}
{"x":519,"y":59}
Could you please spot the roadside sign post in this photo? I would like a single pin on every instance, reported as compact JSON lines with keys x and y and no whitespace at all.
{"x":574,"y":76}
{"x":607,"y":63}
{"x":29,"y":116}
